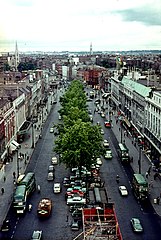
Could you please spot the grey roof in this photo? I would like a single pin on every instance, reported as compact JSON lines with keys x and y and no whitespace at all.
{"x":137,"y":87}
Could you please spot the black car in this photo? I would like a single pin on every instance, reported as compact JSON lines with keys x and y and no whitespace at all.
{"x":5,"y":226}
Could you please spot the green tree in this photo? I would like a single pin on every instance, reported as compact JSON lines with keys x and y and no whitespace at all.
{"x":80,"y":145}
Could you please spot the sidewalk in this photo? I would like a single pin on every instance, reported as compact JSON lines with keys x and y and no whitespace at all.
{"x":155,"y":185}
{"x":6,"y":173}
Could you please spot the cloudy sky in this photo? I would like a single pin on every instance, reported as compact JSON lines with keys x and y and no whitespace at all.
{"x":68,"y":25}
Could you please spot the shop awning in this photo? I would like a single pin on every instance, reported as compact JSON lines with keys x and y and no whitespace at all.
{"x":12,"y":147}
{"x":127,"y":122}
{"x":3,"y":155}
{"x":25,"y":127}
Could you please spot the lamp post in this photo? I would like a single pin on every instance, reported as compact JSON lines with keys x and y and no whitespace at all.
{"x":139,"y":161}
{"x":33,"y":144}
{"x":18,"y":167}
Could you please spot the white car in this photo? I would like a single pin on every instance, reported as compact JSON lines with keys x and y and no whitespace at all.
{"x":76,"y":200}
{"x":106,"y":143}
{"x":51,"y":130}
{"x":102,"y":115}
{"x":108,"y":154}
{"x":123,"y":190}
{"x":57,"y":188}
{"x":54,"y":160}
{"x":102,"y":131}
{"x":37,"y":235}
{"x":59,"y":117}
{"x":99,"y":161}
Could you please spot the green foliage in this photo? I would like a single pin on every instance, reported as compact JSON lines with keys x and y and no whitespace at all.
{"x":79,"y":142}
{"x":26,"y":66}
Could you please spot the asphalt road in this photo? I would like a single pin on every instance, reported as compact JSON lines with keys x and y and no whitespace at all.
{"x":126,"y":207}
{"x":56,"y":226}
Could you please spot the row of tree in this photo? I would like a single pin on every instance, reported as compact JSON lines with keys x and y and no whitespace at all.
{"x":79,"y":142}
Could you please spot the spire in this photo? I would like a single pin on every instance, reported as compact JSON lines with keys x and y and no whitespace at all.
{"x":91,"y":52}
{"x":17,"y":60}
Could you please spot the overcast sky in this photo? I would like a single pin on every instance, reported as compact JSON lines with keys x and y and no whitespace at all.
{"x":68,"y":25}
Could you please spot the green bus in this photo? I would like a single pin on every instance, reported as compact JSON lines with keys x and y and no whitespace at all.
{"x":123,"y":153}
{"x":19,"y":199}
{"x":140,"y":186}
{"x":29,"y":181}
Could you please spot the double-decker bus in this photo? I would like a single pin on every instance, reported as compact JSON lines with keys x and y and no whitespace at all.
{"x":25,"y":187}
{"x":123,"y":153}
{"x":30,"y":182}
{"x":19,"y":199}
{"x":140,"y":186}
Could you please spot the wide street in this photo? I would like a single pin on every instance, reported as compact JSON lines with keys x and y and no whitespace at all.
{"x":56,"y":227}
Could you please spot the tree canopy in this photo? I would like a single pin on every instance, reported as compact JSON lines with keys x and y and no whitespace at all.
{"x":79,"y":142}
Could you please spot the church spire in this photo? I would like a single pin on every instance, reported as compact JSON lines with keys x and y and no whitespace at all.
{"x":17,"y":59}
{"x":91,"y":51}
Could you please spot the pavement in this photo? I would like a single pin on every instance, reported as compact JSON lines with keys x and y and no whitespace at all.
{"x":27,"y":148}
{"x":154,"y":185}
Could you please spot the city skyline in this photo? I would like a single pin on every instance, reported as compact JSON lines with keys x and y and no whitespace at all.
{"x":66,"y":26}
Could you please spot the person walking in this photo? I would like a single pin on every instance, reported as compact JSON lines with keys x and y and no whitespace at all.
{"x":2,"y":190}
{"x":146,"y":174}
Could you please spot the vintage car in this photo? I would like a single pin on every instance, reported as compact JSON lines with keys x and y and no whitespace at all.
{"x":76,"y":200}
{"x":44,"y":207}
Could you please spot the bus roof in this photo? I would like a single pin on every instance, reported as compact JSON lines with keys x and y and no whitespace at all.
{"x":26,"y":178}
{"x":140,"y":178}
{"x":123,"y":147}
{"x":20,"y":191}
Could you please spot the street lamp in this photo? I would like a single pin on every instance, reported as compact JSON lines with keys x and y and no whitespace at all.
{"x":33,"y":144}
{"x":139,"y":161}
{"x":18,"y":167}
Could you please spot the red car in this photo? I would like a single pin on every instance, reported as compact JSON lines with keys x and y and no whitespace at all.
{"x":74,"y":192}
{"x":107,"y":124}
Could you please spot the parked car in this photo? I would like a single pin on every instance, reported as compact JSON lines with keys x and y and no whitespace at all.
{"x":136,"y":225}
{"x":102,"y":131}
{"x":57,"y":188}
{"x":37,"y":235}
{"x":51,"y":130}
{"x":76,"y":200}
{"x":54,"y":160}
{"x":51,"y":176}
{"x":106,"y":143}
{"x":66,"y":182}
{"x":108,"y":154}
{"x":59,"y":117}
{"x":99,"y":161}
{"x":123,"y":190}
{"x":75,"y":225}
{"x":103,"y":115}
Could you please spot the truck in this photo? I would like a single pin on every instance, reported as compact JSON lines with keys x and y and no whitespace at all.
{"x":44,"y":207}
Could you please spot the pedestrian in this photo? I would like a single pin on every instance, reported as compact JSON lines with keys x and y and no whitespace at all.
{"x":132,"y":159}
{"x":4,"y":178}
{"x":14,"y":175}
{"x":151,"y":184}
{"x":149,"y":170}
{"x":158,"y":200}
{"x":2,"y":190}
{"x":67,"y":218}
{"x":155,"y":175}
{"x":146,"y":174}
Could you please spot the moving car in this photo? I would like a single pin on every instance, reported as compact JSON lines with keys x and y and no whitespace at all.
{"x":108,"y":154}
{"x":57,"y":188}
{"x":51,"y":176}
{"x":5,"y":226}
{"x":51,"y":130}
{"x":44,"y":207}
{"x":51,"y":168}
{"x":54,"y":160}
{"x":123,"y":190}
{"x":107,"y":124}
{"x":102,"y":115}
{"x":37,"y":235}
{"x":136,"y":225}
{"x":106,"y":143}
